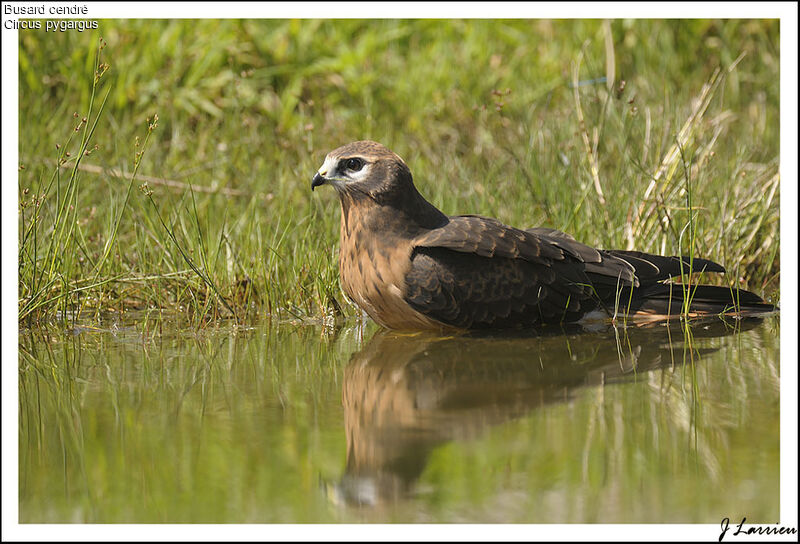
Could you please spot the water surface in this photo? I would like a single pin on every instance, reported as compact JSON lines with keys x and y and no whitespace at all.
{"x":127,"y":423}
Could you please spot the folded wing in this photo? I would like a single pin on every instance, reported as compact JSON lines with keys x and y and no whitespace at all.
{"x":477,"y":272}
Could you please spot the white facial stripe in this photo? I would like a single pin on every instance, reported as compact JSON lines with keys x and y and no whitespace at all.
{"x":329,"y":171}
{"x":355,"y":177}
{"x":327,"y":167}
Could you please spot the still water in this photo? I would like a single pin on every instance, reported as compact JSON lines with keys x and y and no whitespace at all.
{"x":297,"y":423}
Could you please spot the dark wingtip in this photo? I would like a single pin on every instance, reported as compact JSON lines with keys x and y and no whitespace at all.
{"x":710,"y":266}
{"x":703,"y":265}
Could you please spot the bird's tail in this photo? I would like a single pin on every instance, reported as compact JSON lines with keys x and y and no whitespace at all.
{"x":672,"y":299}
{"x":655,"y":298}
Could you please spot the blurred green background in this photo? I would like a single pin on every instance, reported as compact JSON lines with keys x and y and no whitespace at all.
{"x":564,"y":123}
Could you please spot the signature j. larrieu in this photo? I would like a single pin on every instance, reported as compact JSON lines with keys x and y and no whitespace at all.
{"x":761,"y":530}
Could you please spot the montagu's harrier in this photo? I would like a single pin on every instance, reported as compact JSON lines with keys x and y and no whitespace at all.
{"x":410,"y":266}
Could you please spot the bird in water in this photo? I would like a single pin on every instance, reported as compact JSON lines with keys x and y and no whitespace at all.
{"x":410,"y":266}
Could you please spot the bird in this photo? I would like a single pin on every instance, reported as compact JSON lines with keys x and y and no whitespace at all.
{"x":410,"y":266}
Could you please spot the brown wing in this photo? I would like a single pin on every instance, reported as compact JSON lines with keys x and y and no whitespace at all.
{"x":477,"y":272}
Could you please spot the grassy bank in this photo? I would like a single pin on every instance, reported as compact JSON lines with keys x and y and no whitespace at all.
{"x":166,"y":164}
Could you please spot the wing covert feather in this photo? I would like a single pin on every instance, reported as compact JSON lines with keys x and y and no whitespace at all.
{"x":489,"y":237}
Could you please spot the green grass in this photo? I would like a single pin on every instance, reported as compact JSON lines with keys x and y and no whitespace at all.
{"x":621,"y":133}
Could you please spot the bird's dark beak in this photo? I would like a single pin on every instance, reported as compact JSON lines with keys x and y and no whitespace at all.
{"x":317,"y":181}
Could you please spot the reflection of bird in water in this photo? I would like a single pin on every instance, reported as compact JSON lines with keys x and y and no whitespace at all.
{"x":405,"y":395}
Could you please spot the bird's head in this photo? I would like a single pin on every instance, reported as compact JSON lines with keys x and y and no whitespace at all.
{"x":366,"y":168}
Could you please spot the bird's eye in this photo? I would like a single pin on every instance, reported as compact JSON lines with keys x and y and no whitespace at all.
{"x":354,"y":164}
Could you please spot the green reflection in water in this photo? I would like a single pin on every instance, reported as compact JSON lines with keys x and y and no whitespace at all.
{"x":285,"y":424}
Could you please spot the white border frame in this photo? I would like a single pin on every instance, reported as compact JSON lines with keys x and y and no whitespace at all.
{"x":787,"y":12}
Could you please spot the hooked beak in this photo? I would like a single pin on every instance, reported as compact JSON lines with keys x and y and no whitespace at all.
{"x":317,"y":181}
